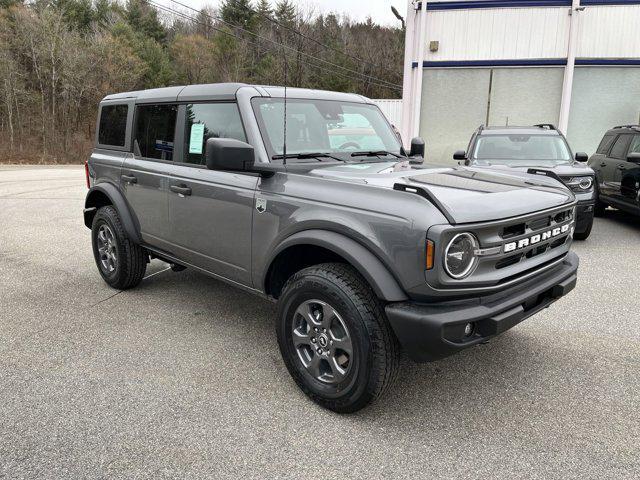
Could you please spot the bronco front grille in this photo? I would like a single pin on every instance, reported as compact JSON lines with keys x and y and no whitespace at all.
{"x":509,"y":249}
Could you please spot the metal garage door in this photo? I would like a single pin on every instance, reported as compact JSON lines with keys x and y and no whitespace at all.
{"x":602,"y":97}
{"x":525,"y":96}
{"x":454,"y":104}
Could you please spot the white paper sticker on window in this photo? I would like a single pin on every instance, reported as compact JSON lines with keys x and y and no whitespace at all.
{"x":197,"y":138}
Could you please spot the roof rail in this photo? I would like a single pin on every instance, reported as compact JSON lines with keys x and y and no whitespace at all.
{"x":548,"y":126}
{"x":627,"y":126}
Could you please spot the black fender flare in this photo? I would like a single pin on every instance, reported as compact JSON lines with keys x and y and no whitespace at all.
{"x":362,"y":259}
{"x":118,"y":201}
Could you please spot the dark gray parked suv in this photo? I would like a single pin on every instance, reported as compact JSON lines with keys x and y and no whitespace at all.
{"x":617,"y":166}
{"x":539,"y":149}
{"x":364,"y":250}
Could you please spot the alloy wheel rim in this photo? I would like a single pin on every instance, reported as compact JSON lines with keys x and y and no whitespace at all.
{"x":322,"y":341}
{"x":107,"y":248}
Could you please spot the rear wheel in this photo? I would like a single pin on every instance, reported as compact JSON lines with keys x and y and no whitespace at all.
{"x":120,"y":261}
{"x":335,"y":339}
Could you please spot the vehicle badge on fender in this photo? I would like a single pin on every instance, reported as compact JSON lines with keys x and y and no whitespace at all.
{"x":537,"y":238}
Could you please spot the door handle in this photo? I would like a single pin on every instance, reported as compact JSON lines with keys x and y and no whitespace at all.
{"x":180,"y":190}
{"x":603,"y":164}
{"x":621,"y":167}
{"x":129,"y":178}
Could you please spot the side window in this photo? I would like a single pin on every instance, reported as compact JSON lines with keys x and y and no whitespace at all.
{"x":113,"y":125}
{"x":155,"y":128}
{"x":619,"y":148}
{"x":210,"y":120}
{"x":606,"y":142}
{"x":635,"y":144}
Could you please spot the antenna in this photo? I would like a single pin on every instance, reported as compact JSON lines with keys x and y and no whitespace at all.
{"x":284,"y":143}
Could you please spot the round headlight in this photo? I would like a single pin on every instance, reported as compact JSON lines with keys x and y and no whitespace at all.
{"x":460,"y":255}
{"x":585,"y":183}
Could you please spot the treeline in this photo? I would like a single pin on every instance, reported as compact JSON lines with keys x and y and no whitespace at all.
{"x":58,"y":58}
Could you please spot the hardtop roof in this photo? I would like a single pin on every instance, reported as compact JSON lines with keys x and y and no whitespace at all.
{"x":227,"y":91}
{"x":517,"y":130}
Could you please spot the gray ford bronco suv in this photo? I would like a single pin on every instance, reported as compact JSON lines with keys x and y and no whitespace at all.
{"x":538,"y":149}
{"x":364,"y":248}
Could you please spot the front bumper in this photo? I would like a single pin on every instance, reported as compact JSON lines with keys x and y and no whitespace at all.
{"x":432,"y":331}
{"x":584,"y":215}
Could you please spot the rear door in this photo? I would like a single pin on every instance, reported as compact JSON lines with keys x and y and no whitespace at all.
{"x":211,"y":211}
{"x":145,"y":175}
{"x":628,"y":176}
{"x":598,"y":160}
{"x":610,"y":179}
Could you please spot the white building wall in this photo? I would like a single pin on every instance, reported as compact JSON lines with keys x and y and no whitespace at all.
{"x":525,"y":49}
{"x":611,"y":31}
{"x":392,"y":109}
{"x":497,"y":34}
{"x":608,"y":31}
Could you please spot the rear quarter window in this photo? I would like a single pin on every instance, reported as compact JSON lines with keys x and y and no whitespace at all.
{"x":606,"y":142}
{"x":113,"y":125}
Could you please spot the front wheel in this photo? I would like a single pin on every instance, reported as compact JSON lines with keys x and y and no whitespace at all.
{"x":599,"y":208}
{"x":335,"y":339}
{"x":584,"y":235}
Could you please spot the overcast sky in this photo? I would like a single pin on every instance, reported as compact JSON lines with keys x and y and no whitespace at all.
{"x":378,"y":10}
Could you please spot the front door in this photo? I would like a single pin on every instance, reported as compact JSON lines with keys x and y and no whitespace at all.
{"x":211,"y":211}
{"x":610,"y":171}
{"x":145,"y":174}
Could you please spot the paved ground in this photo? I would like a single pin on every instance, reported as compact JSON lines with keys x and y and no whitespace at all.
{"x":182,"y":377}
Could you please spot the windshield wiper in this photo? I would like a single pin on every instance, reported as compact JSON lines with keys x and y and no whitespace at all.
{"x":317,"y":155}
{"x":375,"y":153}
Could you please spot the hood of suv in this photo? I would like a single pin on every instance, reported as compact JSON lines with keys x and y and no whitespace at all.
{"x":574,"y":169}
{"x":468,"y":194}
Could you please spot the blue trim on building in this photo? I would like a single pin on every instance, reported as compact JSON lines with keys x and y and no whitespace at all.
{"x":473,"y":4}
{"x":608,"y":61}
{"x":608,"y":2}
{"x":535,"y":62}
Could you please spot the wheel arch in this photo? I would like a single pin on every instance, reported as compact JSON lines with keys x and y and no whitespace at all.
{"x":105,"y":194}
{"x":311,"y":247}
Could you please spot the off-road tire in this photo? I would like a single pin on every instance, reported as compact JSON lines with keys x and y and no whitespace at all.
{"x":599,"y":209}
{"x":131,"y":261}
{"x":584,"y":235}
{"x":375,"y":347}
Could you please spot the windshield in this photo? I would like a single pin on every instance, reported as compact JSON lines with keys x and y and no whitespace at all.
{"x":323,"y":126}
{"x":521,"y":149}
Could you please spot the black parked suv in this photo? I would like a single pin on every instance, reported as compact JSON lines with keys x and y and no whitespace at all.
{"x":538,"y":149}
{"x":617,"y":166}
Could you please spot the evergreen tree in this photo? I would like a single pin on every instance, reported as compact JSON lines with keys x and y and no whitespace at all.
{"x":285,"y":12}
{"x":264,"y":8}
{"x":144,"y":20}
{"x":239,"y":13}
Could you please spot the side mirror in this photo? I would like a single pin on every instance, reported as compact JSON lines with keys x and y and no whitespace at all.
{"x":460,"y":155}
{"x":417,"y":147}
{"x":633,"y":157}
{"x":229,"y":154}
{"x":581,"y":157}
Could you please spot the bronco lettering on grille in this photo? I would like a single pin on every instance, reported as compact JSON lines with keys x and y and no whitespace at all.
{"x":537,"y":238}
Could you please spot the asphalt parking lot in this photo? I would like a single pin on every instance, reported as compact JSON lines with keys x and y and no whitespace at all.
{"x":182,"y":376}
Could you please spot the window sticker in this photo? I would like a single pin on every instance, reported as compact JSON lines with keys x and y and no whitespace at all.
{"x":197,"y":138}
